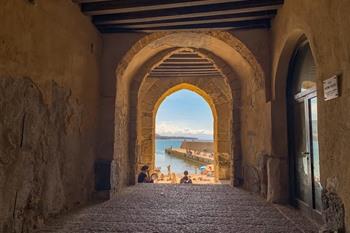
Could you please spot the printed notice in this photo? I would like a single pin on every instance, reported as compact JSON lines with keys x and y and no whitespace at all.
{"x":330,"y":88}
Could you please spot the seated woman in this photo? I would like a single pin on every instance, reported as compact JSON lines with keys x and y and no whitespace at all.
{"x":144,"y":176}
{"x":185,"y":179}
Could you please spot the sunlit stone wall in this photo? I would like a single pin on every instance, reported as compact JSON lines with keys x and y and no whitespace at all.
{"x":49,"y":74}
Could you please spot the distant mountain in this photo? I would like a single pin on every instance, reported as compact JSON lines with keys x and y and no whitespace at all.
{"x":175,"y":137}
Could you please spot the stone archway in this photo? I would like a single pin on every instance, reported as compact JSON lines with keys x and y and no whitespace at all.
{"x":229,"y":86}
{"x":153,"y":92}
{"x":243,"y":74}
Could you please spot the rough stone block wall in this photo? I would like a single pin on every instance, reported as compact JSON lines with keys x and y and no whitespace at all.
{"x":49,"y":74}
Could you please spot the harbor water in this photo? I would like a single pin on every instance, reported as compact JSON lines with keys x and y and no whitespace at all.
{"x":178,"y":165}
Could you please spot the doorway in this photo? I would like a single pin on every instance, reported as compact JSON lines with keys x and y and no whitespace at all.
{"x":184,"y":139}
{"x":303,"y":133}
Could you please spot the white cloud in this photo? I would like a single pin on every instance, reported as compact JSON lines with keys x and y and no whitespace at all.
{"x":168,"y":128}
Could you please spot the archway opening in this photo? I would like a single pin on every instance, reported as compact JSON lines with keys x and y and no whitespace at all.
{"x":184,"y":139}
{"x":186,"y":68}
{"x":138,"y":90}
{"x":303,"y":131}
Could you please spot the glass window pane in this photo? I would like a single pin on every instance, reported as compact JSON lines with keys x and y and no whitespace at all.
{"x":302,"y":168}
{"x":315,"y":153}
{"x":304,"y":70}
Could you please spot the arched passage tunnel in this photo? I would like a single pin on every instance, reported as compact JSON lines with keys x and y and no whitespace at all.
{"x":155,"y":89}
{"x":75,"y":123}
{"x":234,"y":74}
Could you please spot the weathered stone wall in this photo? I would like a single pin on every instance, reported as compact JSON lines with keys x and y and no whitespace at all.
{"x":115,"y":47}
{"x":49,"y":89}
{"x":326,"y":25}
{"x":49,"y":73}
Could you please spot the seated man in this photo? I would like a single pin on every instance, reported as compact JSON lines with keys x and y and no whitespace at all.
{"x":185,"y":179}
{"x":143,"y":176}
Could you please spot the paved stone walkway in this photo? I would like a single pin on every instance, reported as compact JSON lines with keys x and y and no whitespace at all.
{"x":183,"y":208}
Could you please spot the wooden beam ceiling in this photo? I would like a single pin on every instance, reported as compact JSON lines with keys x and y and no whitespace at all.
{"x":164,"y":15}
{"x":185,"y":64}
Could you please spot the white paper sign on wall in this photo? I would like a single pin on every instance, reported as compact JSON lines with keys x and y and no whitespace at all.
{"x":330,"y":88}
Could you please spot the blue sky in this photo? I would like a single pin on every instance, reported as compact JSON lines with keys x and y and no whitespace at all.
{"x":185,"y":113}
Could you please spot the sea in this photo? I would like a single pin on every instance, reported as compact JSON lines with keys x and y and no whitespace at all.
{"x":177,"y":165}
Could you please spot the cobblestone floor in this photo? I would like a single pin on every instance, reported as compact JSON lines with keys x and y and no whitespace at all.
{"x":182,"y":208}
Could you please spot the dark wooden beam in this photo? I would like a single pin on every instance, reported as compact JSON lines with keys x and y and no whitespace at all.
{"x":185,"y":55}
{"x":190,"y":12}
{"x":146,"y":26}
{"x":263,"y":23}
{"x":183,"y":74}
{"x":187,"y":76}
{"x":128,"y":6}
{"x":185,"y":64}
{"x":186,"y":59}
{"x":192,"y":20}
{"x":180,"y":67}
{"x":113,"y":16}
{"x":183,"y":70}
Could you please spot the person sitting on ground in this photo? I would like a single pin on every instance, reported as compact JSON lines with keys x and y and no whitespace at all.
{"x":144,"y":176}
{"x":185,"y":179}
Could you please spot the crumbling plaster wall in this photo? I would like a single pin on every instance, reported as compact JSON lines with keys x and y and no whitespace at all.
{"x":49,"y":70}
{"x":326,"y":25}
